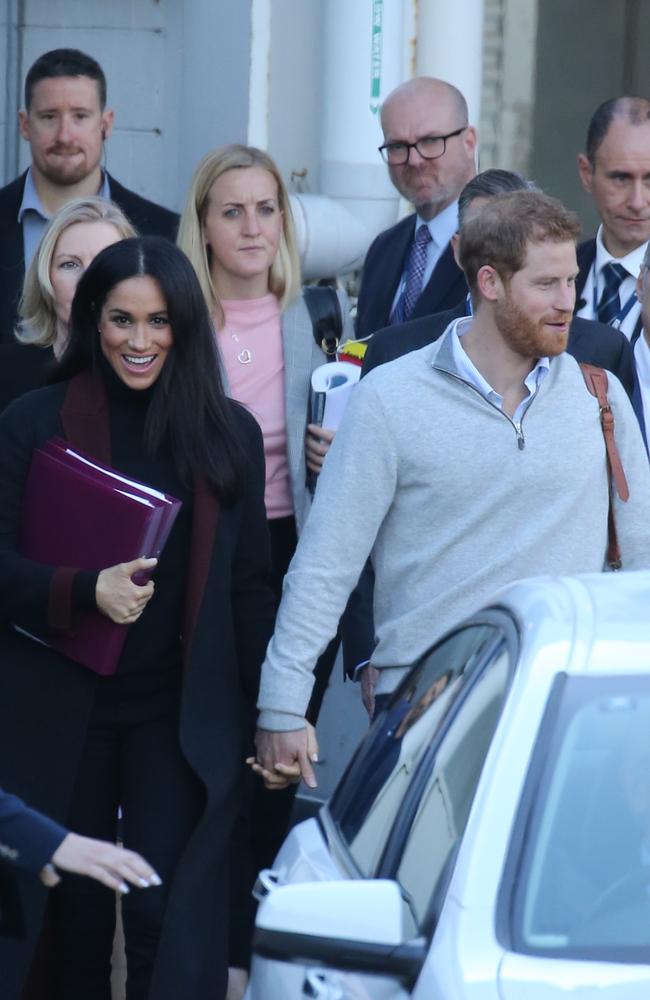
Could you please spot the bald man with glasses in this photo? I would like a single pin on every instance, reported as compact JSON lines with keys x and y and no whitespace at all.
{"x":429,"y":148}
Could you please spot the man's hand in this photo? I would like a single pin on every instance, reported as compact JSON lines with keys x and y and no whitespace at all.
{"x":109,"y":864}
{"x":368,"y":679}
{"x":284,"y":758}
{"x":317,"y":444}
{"x":118,"y":597}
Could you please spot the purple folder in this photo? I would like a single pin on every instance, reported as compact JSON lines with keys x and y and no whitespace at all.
{"x":80,"y":514}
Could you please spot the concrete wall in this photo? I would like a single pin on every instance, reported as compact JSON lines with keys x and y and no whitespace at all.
{"x":587,"y":52}
{"x":177,"y":73}
{"x":295,"y":91}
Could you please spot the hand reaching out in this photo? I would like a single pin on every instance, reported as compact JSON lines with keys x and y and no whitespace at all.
{"x":109,"y":864}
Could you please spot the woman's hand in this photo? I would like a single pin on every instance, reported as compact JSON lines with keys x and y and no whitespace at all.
{"x":284,"y":775}
{"x":317,"y":444}
{"x":118,"y":597}
{"x":107,"y":863}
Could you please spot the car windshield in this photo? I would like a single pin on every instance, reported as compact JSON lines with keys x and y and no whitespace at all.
{"x":583,"y":887}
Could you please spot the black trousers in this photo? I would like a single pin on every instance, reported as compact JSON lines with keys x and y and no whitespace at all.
{"x":266,"y":816}
{"x":131,"y":759}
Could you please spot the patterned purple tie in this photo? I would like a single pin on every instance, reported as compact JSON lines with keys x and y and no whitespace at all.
{"x":415,"y":268}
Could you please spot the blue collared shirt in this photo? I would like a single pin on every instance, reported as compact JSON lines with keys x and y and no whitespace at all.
{"x":468,"y":371}
{"x":33,"y":217}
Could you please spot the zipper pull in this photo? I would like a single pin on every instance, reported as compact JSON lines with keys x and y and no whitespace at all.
{"x":520,"y":439}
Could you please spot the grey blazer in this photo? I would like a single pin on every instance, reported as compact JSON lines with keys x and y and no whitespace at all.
{"x":301,"y":357}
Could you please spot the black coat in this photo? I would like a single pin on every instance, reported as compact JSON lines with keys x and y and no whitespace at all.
{"x":46,"y":699}
{"x":595,"y":343}
{"x":382,"y":272}
{"x":148,"y":218}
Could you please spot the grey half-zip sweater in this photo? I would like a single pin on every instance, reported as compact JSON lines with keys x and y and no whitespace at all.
{"x":451,"y":503}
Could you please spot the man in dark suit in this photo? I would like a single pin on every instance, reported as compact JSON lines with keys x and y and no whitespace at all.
{"x":615,"y":170}
{"x":595,"y":343}
{"x":66,"y":123}
{"x":429,"y":147}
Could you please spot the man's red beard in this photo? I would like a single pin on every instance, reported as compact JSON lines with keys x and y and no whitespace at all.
{"x":527,"y":337}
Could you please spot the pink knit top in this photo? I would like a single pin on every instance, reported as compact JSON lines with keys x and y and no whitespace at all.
{"x":251,"y":348}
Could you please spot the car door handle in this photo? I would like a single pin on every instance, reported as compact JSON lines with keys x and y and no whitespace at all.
{"x":265,"y":883}
{"x":319,"y":985}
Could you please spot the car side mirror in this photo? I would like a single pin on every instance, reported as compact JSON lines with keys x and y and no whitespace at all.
{"x":357,"y":925}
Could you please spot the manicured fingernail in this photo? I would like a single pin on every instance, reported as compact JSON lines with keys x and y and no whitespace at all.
{"x":155,"y":879}
{"x":314,"y":758}
{"x":143,"y":883}
{"x":123,"y":887}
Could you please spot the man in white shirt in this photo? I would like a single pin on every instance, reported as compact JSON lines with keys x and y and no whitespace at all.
{"x":615,"y":170}
{"x":429,"y":148}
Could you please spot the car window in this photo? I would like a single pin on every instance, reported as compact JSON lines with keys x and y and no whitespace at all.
{"x":583,"y":888}
{"x":450,"y":787}
{"x":370,"y":795}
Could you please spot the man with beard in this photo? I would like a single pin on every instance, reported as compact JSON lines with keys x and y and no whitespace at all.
{"x":66,"y":123}
{"x":461,"y":467}
{"x":429,"y":148}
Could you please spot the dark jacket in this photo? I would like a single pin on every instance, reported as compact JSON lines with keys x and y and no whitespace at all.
{"x":382,"y":272}
{"x":595,"y":343}
{"x":586,"y":254}
{"x":148,"y":218}
{"x":27,"y":842}
{"x":46,"y":699}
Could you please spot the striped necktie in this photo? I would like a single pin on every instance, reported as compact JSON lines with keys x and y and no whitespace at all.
{"x":415,"y":268}
{"x":610,"y":302}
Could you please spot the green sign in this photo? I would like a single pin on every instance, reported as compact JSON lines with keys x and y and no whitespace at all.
{"x":375,"y":54}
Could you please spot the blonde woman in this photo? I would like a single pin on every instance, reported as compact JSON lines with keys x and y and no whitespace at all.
{"x":237,"y":230}
{"x":73,"y":237}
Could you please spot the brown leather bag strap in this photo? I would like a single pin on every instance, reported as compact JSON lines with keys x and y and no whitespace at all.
{"x":596,"y":382}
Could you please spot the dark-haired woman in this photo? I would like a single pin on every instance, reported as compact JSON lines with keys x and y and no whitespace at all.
{"x":164,"y":738}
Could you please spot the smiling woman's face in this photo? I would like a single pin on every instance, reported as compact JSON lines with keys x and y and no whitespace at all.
{"x":75,"y":248}
{"x":243,"y":228}
{"x":135,"y":335}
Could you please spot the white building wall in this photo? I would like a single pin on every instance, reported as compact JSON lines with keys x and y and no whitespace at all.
{"x":177,"y":74}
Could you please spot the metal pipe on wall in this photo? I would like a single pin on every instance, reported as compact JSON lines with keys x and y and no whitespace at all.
{"x":362,"y":62}
{"x":450,"y":46}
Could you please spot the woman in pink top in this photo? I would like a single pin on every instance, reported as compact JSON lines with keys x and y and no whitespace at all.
{"x":237,"y":229}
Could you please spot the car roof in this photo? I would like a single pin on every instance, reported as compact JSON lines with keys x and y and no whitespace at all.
{"x":597,"y":623}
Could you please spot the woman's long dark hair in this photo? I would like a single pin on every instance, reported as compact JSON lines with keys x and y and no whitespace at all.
{"x":189,"y":402}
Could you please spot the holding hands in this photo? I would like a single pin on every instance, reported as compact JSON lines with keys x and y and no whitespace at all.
{"x":118,"y":597}
{"x":284,"y":758}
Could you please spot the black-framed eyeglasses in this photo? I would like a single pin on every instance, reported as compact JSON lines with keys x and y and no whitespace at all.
{"x":430,"y":147}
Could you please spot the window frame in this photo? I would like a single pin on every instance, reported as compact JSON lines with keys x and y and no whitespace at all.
{"x":565,"y":694}
{"x":506,"y":633}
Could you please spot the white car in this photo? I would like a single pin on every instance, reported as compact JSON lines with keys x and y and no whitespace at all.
{"x":490,"y":839}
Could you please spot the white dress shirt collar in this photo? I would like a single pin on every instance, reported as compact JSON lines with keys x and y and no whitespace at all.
{"x":442,"y":227}
{"x":631,"y":262}
{"x":470,"y":373}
